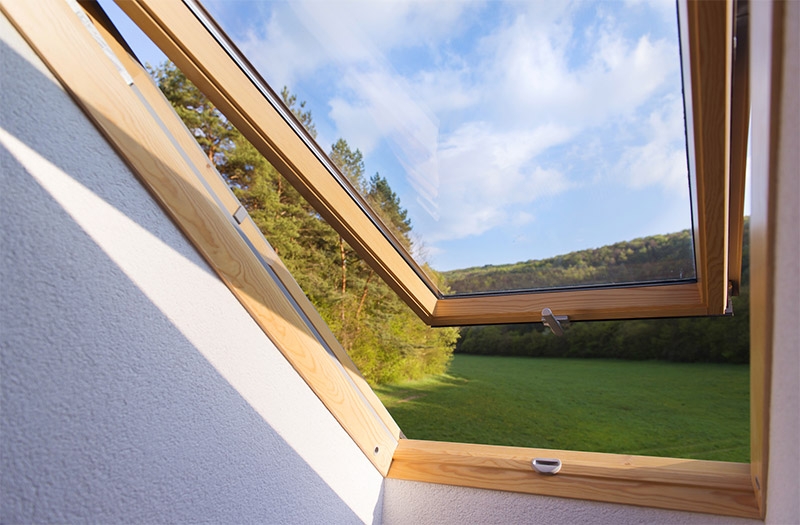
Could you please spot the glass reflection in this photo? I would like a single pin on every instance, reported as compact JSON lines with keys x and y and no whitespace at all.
{"x":508,"y":145}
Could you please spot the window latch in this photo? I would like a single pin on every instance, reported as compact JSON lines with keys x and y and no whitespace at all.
{"x":556,"y":323}
{"x":548,"y":466}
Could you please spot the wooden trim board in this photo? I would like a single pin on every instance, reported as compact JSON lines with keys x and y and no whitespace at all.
{"x":740,"y":127}
{"x":709,"y":27}
{"x":767,"y":89}
{"x":669,"y":483}
{"x":580,"y":305}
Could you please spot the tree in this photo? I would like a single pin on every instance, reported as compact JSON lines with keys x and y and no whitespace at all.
{"x":384,"y":338}
{"x":709,"y":339}
{"x":387,"y":204}
{"x":350,"y":163}
{"x":211,"y":130}
{"x":299,"y":111}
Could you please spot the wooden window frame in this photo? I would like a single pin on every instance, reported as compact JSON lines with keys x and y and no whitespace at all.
{"x":213,"y":63}
{"x":138,"y":122}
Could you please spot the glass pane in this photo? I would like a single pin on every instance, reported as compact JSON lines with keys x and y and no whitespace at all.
{"x":503,"y":143}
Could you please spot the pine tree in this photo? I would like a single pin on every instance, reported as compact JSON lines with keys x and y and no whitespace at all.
{"x":211,"y":130}
{"x":387,"y":204}
{"x":385,"y":339}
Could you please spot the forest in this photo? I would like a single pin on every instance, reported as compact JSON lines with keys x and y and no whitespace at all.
{"x":385,"y":339}
{"x":654,"y":258}
{"x":705,"y":339}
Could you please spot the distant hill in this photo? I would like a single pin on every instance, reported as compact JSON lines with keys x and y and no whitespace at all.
{"x":654,"y":258}
{"x":709,"y":339}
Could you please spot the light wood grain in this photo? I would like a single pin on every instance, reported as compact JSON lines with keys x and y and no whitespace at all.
{"x":78,"y":62}
{"x":160,"y":105}
{"x":740,"y":124}
{"x":580,"y":305}
{"x":265,"y":250}
{"x":692,"y":485}
{"x":230,"y":203}
{"x":710,"y":52}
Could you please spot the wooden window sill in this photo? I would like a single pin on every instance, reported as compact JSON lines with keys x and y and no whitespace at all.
{"x":713,"y":487}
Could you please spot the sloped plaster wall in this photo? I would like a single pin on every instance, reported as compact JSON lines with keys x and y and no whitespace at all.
{"x":430,"y":504}
{"x":135,"y":388}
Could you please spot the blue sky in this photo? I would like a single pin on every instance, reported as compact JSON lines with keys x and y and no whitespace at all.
{"x":510,"y":130}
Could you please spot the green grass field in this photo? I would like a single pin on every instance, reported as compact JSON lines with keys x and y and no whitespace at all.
{"x":690,"y":410}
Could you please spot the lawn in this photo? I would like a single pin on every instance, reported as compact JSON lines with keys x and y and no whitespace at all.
{"x":690,"y":410}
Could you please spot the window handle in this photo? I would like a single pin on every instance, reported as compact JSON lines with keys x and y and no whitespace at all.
{"x":556,"y":323}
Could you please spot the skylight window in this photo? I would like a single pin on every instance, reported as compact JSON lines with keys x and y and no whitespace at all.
{"x":405,"y":143}
{"x":511,"y":132}
{"x":671,"y":483}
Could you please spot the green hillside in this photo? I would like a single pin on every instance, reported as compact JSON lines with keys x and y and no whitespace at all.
{"x":705,"y":339}
{"x":655,"y":258}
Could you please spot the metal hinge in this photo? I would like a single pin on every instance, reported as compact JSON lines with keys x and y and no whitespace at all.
{"x":729,"y":305}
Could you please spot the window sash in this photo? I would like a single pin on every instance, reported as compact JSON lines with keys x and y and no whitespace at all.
{"x":249,"y":103}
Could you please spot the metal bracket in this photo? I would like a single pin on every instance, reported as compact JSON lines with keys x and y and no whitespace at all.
{"x":240,"y":215}
{"x":729,"y":305}
{"x":556,"y":323}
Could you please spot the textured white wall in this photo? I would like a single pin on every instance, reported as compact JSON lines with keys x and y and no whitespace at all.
{"x":135,"y":388}
{"x":783,"y":493}
{"x":428,"y":504}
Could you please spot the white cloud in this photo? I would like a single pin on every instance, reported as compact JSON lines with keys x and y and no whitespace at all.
{"x":389,"y":102}
{"x":288,"y":40}
{"x":472,"y":124}
{"x":278,"y":33}
{"x":487,"y":175}
{"x":532,"y":75}
{"x":661,"y":161}
{"x":665,"y":8}
{"x":446,"y":90}
{"x":358,"y":31}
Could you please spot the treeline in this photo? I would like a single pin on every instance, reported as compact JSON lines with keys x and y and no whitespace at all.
{"x":707,"y":339}
{"x":385,"y":339}
{"x":655,"y":258}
